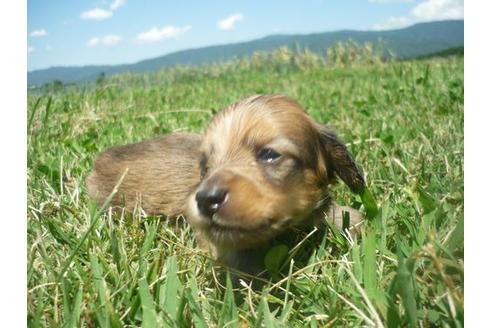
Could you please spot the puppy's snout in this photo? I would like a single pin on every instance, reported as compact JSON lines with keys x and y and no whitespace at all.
{"x":210,"y":200}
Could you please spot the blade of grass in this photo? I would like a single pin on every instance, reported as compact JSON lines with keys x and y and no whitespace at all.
{"x":33,"y":112}
{"x":149,"y":315}
{"x":47,"y":111}
{"x":106,"y":312}
{"x":369,"y":203}
{"x":265,"y":316}
{"x":168,"y":292}
{"x":196,"y":312}
{"x":229,"y":315}
{"x":375,"y":316}
{"x":76,"y":308}
{"x":369,"y":249}
{"x":404,"y":286}
{"x":94,"y":220}
{"x":457,"y":237}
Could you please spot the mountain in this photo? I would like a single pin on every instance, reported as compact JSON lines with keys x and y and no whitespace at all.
{"x":415,"y":41}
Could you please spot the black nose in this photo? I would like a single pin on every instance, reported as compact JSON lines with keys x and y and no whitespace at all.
{"x":209,"y":201}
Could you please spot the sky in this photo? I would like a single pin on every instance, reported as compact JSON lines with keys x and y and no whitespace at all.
{"x":99,"y":32}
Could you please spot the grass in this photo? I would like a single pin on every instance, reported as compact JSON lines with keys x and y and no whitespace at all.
{"x":403,"y":121}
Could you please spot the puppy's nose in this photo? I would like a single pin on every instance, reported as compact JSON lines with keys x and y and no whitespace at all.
{"x":209,"y":201}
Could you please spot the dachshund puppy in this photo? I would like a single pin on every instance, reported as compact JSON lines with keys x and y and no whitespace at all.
{"x":265,"y":167}
{"x":261,"y":170}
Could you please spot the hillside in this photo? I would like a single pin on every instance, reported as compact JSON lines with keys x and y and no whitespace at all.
{"x":414,"y":41}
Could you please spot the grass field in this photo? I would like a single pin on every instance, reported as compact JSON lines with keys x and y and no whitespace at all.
{"x":403,"y":121}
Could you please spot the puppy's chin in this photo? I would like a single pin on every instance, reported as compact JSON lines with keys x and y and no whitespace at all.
{"x":225,"y":236}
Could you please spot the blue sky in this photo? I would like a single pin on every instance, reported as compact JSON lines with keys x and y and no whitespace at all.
{"x":74,"y":33}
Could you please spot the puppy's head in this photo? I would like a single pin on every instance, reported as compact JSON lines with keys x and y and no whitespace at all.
{"x":265,"y":167}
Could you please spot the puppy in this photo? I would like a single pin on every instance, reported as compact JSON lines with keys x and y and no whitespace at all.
{"x":261,"y":170}
{"x":265,"y":167}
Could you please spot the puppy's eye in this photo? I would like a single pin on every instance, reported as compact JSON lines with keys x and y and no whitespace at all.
{"x":268,"y":155}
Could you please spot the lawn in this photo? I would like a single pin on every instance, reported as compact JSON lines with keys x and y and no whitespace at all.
{"x":402,"y":120}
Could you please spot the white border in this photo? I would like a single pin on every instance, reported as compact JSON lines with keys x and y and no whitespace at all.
{"x":478,"y":104}
{"x":478,"y":196}
{"x":13,"y":181}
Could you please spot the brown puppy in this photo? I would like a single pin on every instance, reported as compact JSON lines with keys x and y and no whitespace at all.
{"x":265,"y":168}
{"x":261,"y":170}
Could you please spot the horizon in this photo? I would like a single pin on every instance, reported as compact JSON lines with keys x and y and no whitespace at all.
{"x":225,"y":44}
{"x":100,"y":44}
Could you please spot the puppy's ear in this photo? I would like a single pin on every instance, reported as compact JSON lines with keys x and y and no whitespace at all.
{"x":339,"y":161}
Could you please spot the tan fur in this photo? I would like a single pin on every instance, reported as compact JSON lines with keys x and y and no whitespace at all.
{"x":161,"y":174}
{"x":264,"y":200}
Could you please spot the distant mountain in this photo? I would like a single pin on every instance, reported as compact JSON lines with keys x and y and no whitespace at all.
{"x":415,"y":41}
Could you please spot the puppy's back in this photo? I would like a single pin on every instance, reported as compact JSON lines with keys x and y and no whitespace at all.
{"x":161,"y":173}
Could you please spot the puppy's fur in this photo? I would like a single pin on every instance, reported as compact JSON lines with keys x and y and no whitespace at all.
{"x":275,"y":163}
{"x":271,"y":161}
{"x":161,"y":173}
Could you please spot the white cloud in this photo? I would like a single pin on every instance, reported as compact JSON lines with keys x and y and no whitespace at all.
{"x":428,"y":10}
{"x":48,"y":48}
{"x":30,"y":49}
{"x":158,"y":34}
{"x":96,"y":14}
{"x":393,"y":23}
{"x":93,"y":42}
{"x":116,"y":4}
{"x":439,"y":9}
{"x":229,"y":22}
{"x":101,"y":14}
{"x":107,"y":41}
{"x":39,"y":33}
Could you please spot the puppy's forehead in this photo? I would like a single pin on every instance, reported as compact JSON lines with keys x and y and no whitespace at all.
{"x":258,"y":121}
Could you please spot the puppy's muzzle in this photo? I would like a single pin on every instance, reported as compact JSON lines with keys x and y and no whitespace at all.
{"x":210,"y":199}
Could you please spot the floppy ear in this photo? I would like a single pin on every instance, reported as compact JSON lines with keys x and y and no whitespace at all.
{"x":338,"y":160}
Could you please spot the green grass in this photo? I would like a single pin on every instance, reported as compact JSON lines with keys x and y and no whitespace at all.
{"x":403,"y":121}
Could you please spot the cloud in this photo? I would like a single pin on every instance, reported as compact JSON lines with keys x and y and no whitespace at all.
{"x":428,"y":10}
{"x":39,"y":33}
{"x":101,"y":14}
{"x":117,"y":4}
{"x":229,"y":22}
{"x":156,"y":34}
{"x":439,"y":9}
{"x":107,"y":41}
{"x":30,"y":49}
{"x":96,"y":14}
{"x":393,"y":23}
{"x":93,"y":42}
